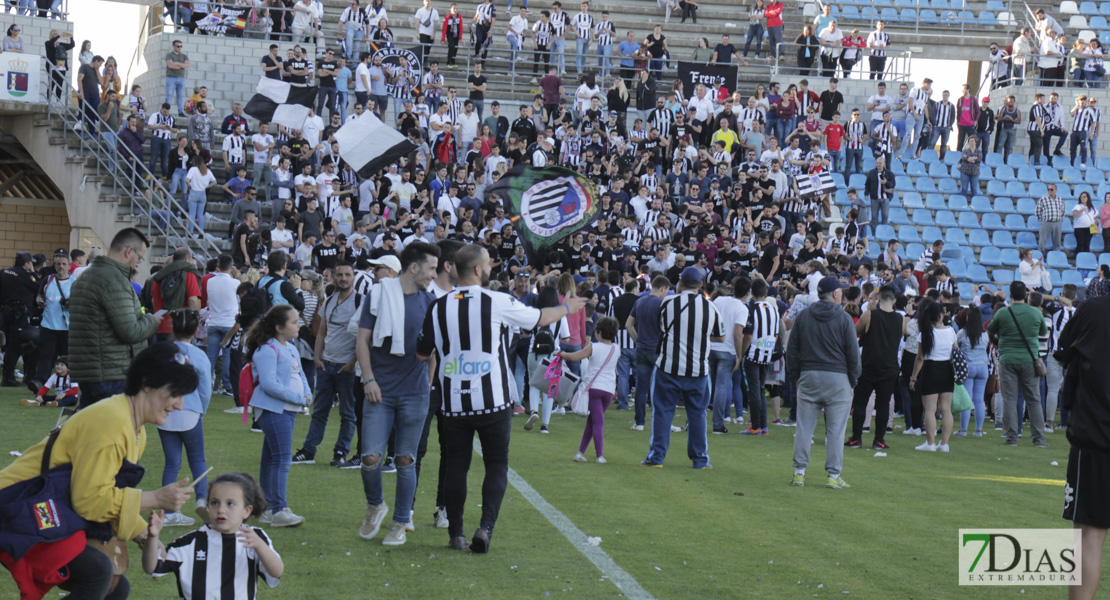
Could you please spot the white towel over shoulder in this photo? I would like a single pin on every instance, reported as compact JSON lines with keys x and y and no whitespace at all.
{"x":387,"y":304}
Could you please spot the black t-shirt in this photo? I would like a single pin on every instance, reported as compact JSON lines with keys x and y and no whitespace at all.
{"x":767,"y":257}
{"x":271,"y":62}
{"x":814,"y":228}
{"x":830,"y":104}
{"x":580,"y":265}
{"x":747,"y":260}
{"x":602,"y":256}
{"x":241,"y":232}
{"x":408,"y":121}
{"x":725,"y":52}
{"x":312,"y":222}
{"x":326,"y":81}
{"x":300,"y":64}
{"x":558,"y":261}
{"x":476,"y":80}
{"x":326,"y":257}
{"x":90,"y":85}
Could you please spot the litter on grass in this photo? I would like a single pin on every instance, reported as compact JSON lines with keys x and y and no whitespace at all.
{"x":593,"y":541}
{"x":880,"y":454}
{"x":15,"y":453}
{"x":1054,"y":463}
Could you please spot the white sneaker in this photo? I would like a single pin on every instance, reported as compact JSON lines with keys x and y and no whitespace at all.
{"x":373,"y":521}
{"x":441,"y":517}
{"x":1048,"y":430}
{"x":396,"y":535}
{"x":236,"y":410}
{"x":927,"y":447}
{"x":410,"y":526}
{"x":266,"y":517}
{"x":285,"y":518}
{"x":601,"y":460}
{"x":637,"y":428}
{"x":580,"y":458}
{"x":728,"y":420}
{"x":560,"y":411}
{"x":176,"y":519}
{"x":909,"y":431}
{"x":919,"y":432}
{"x":942,"y":448}
{"x":675,"y":429}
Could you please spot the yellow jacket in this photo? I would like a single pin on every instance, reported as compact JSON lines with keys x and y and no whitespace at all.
{"x":95,"y":441}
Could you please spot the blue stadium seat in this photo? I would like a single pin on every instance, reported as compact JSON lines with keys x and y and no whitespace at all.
{"x":869,"y":13}
{"x":898,"y":216}
{"x":953,"y":252}
{"x":1015,"y":223}
{"x":1104,"y":35}
{"x":1057,"y":260}
{"x":1073,"y":277}
{"x":907,"y":15}
{"x":1005,"y":173}
{"x":902,"y":183}
{"x":935,"y":202}
{"x":912,"y":250}
{"x":946,"y":218}
{"x":1060,"y":162}
{"x":868,"y":162}
{"x":1069,"y":238}
{"x":996,"y":5}
{"x":1015,"y":189}
{"x":969,"y":220}
{"x":884,"y":233}
{"x":1103,"y":189}
{"x":1098,"y":244}
{"x":1016,"y":160}
{"x":940,"y":4}
{"x":838,"y":179}
{"x":938,"y":170}
{"x":1093,"y":177}
{"x":1027,"y":174}
{"x":1049,"y":175}
{"x":912,"y":200}
{"x":987,"y":19}
{"x":1080,"y":188}
{"x":990,"y":256}
{"x":907,"y":234}
{"x":992,"y":221}
{"x":1104,"y":8}
{"x":1086,"y":261}
{"x":857,"y":181}
{"x":841,"y":197}
{"x":957,"y":202}
{"x":1026,"y":206}
{"x":850,"y":13}
{"x":928,"y":15}
{"x":1010,"y":257}
{"x":1003,"y":276}
{"x":995,"y":188}
{"x":1004,"y":205}
{"x":1040,"y":188}
{"x":1104,"y":258}
{"x":978,"y":274}
{"x":1026,"y":239}
{"x":898,"y":167}
{"x":966,"y":289}
{"x":916,"y":168}
{"x":1054,"y":276}
{"x":1103,"y":163}
{"x":981,"y":204}
{"x":1033,"y":223}
{"x":1098,"y":22}
{"x":925,"y":185}
{"x":979,"y":238}
{"x":949,"y":17}
{"x":1069,"y":172}
{"x":1002,"y":239}
{"x":948,"y":185}
{"x":922,"y":217}
{"x":1088,"y":9}
{"x":835,"y":10}
{"x":957,"y":268}
{"x":994,"y":159}
{"x":951,"y":157}
{"x":955,"y":235}
{"x":985,"y":173}
{"x":931,"y":233}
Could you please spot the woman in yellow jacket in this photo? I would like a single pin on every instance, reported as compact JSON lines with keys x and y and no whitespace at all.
{"x":98,"y":442}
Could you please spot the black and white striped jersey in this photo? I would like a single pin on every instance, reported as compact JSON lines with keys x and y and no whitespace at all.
{"x":686,"y":322}
{"x":763,"y":326}
{"x":210,"y":564}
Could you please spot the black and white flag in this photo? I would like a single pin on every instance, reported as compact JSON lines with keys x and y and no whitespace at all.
{"x":815,"y":185}
{"x":279,"y":102}
{"x":368,"y":145}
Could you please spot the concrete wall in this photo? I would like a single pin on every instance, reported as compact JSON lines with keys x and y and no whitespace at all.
{"x":229,"y":67}
{"x":38,"y":226}
{"x":36,"y":31}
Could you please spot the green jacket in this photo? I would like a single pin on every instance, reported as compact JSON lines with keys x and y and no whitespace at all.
{"x":107,"y":325}
{"x":1014,"y":349}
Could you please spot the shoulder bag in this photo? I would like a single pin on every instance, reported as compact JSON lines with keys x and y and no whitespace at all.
{"x":580,"y":403}
{"x":959,"y":365}
{"x":1038,"y":363}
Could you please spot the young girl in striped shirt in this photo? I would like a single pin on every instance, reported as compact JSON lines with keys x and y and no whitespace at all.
{"x":198,"y":559}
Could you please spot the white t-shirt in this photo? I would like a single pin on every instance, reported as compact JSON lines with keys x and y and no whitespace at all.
{"x":282,"y":235}
{"x":517,"y":26}
{"x":305,"y":18}
{"x":282,"y":176}
{"x":312,"y":129}
{"x":344,"y":220}
{"x":426,"y":21}
{"x":733,"y":311}
{"x":223,"y":302}
{"x":261,"y":140}
{"x":884,"y":101}
{"x":811,"y":282}
{"x":602,"y":374}
{"x":943,"y":340}
{"x":835,"y":37}
{"x":361,"y":71}
{"x":438,"y":119}
{"x":468,"y":128}
{"x":198,"y":182}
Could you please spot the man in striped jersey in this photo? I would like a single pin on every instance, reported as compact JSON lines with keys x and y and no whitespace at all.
{"x":621,"y":309}
{"x":466,"y":331}
{"x":688,"y":323}
{"x":917,"y":112}
{"x":763,"y":331}
{"x":942,"y":123}
{"x":1082,"y":120}
{"x":583,"y":30}
{"x":1055,"y":378}
{"x":604,"y":31}
{"x":822,"y":358}
{"x":484,"y":18}
{"x":1036,"y":127}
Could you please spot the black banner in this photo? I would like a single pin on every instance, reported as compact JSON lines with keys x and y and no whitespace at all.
{"x":691,"y":74}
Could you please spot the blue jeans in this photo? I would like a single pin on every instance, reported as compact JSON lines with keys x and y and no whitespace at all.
{"x":175,"y":86}
{"x":1005,"y":141}
{"x":880,"y":211}
{"x":277,"y":456}
{"x":786,"y":126}
{"x":514,"y":48}
{"x":604,"y":51}
{"x":380,"y":102}
{"x":520,"y":375}
{"x":197,"y":202}
{"x":576,"y":366}
{"x":976,"y":385}
{"x":774,"y":38}
{"x":836,"y":159}
{"x":645,"y":371}
{"x":854,"y":161}
{"x":404,"y":416}
{"x":624,"y":374}
{"x":969,"y":184}
{"x":755,"y":32}
{"x":985,"y":140}
{"x":111,"y":141}
{"x":772,"y":127}
{"x":720,"y":368}
{"x":332,"y":381}
{"x":91,"y":393}
{"x":326,"y":98}
{"x":559,"y":49}
{"x":656,"y":65}
{"x":160,"y":155}
{"x":178,"y":181}
{"x":583,"y":47}
{"x":668,"y":390}
{"x":941,"y":134}
{"x":912,"y":131}
{"x":349,"y":40}
{"x":341,"y":102}
{"x":215,"y":336}
{"x":193,"y":440}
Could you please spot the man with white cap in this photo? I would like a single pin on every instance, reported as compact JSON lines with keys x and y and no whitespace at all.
{"x":386,"y":266}
{"x":686,"y":321}
{"x":540,"y":155}
{"x":822,"y":357}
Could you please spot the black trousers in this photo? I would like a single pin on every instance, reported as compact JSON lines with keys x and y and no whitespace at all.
{"x":1036,"y":147}
{"x":541,"y":52}
{"x":884,"y":391}
{"x":481,"y":34}
{"x":1048,"y":135}
{"x":452,"y":49}
{"x":917,"y":409}
{"x":457,"y":443}
{"x":828,"y":65}
{"x":52,"y":344}
{"x":805,"y":66}
{"x":878,"y":65}
{"x":422,"y":449}
{"x":426,"y":43}
{"x":90,"y":576}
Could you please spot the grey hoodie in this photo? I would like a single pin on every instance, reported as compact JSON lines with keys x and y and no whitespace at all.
{"x":823,"y":339}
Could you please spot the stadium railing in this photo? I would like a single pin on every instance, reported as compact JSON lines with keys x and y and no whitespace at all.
{"x":59,"y":9}
{"x":897,"y":64}
{"x":127,"y":174}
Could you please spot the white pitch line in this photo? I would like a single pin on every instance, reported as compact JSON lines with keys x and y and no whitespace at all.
{"x":604,"y":563}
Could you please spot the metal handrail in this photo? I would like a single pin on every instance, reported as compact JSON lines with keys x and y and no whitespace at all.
{"x":160,"y":19}
{"x":42,"y":13}
{"x":134,"y":180}
{"x":897,"y":64}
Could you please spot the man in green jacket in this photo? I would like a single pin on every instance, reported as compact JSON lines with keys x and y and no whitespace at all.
{"x":1018,"y":328}
{"x":107,"y":325}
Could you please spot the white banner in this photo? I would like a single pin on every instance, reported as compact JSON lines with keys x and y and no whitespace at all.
{"x":21,"y":75}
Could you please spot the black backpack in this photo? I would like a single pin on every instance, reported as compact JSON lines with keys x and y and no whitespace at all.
{"x":543,"y":340}
{"x":256,"y":302}
{"x":170,"y":283}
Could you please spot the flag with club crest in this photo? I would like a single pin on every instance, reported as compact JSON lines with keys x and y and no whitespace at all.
{"x":546,"y":205}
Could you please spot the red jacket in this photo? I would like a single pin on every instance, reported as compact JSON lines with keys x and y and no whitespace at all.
{"x":446,"y":23}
